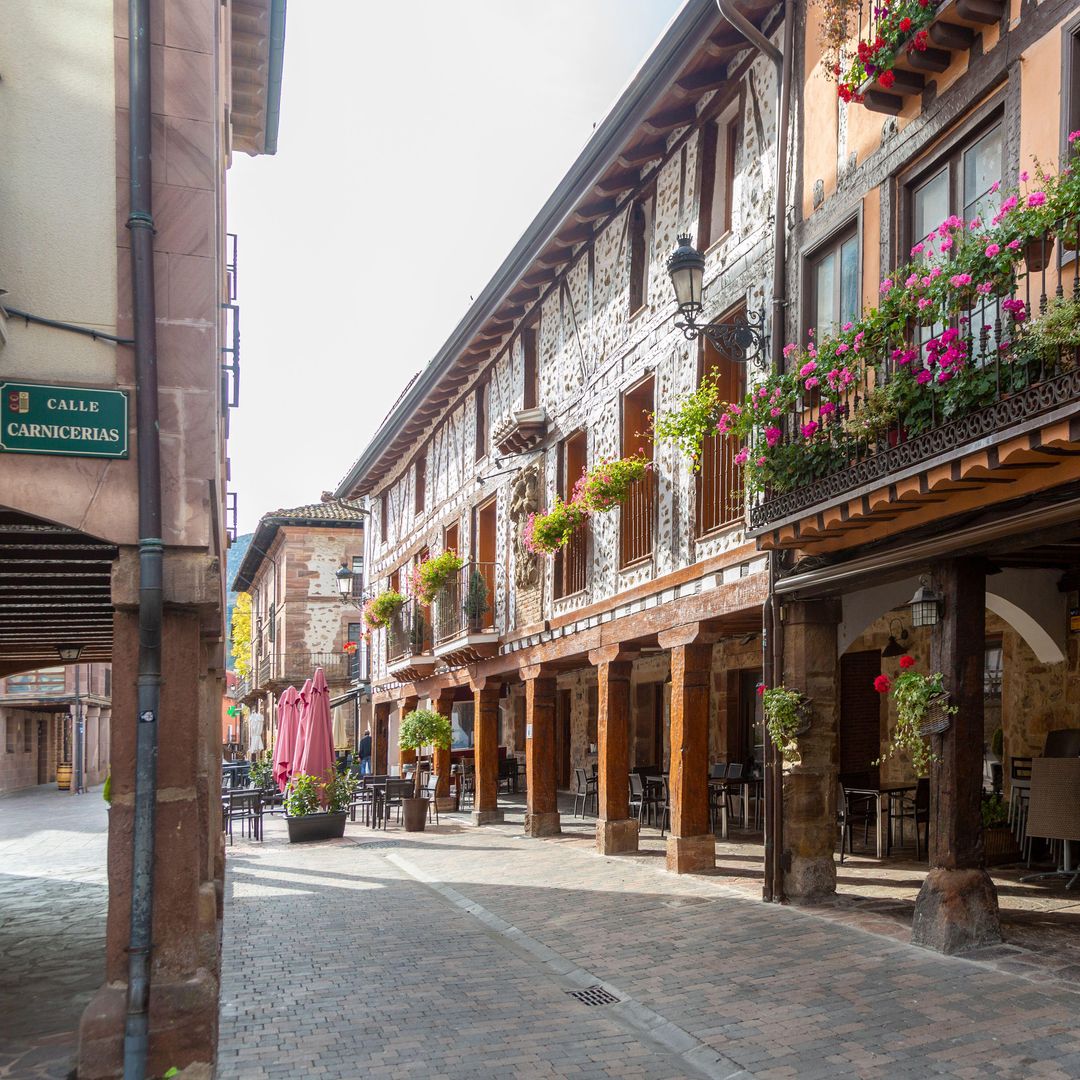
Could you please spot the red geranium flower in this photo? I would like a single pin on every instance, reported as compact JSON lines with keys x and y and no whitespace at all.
{"x":886,"y":78}
{"x":907,"y":661}
{"x":760,"y":689}
{"x":883,"y":684}
{"x":905,"y":25}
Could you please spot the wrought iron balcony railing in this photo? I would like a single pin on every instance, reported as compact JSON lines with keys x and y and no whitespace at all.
{"x":409,"y":632}
{"x":295,"y":667}
{"x":466,"y":604}
{"x":1008,"y":374}
{"x":637,"y":517}
{"x":571,"y":562}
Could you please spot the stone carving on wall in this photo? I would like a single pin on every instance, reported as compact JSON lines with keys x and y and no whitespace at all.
{"x":525,"y":500}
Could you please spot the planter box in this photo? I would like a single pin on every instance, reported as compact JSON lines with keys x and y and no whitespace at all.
{"x":999,"y":845}
{"x":316,"y":827}
{"x":414,"y":814}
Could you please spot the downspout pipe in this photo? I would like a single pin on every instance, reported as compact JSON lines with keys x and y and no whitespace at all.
{"x":140,"y":224}
{"x":773,"y":658}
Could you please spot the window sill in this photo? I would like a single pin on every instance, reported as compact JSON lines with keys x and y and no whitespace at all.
{"x":718,"y":243}
{"x":636,"y":564}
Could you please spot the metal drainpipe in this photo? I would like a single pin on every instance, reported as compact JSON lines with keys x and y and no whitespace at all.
{"x":141,"y":225}
{"x":773,"y":659}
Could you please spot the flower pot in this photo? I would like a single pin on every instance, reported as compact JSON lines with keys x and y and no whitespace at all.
{"x":937,"y":718}
{"x":316,"y":827}
{"x":806,"y":716}
{"x":414,"y":814}
{"x":1037,"y":253}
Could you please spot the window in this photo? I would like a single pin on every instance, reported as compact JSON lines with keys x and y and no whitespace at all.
{"x":358,"y":660}
{"x":1070,"y":112}
{"x":833,"y":283}
{"x":384,"y":517}
{"x":45,"y":681}
{"x":636,"y":516}
{"x":28,"y":736}
{"x":993,"y":669}
{"x":462,"y":715}
{"x":9,"y":734}
{"x":571,"y":559}
{"x":420,"y":484}
{"x":358,"y":575}
{"x":719,"y":491}
{"x":640,"y":237}
{"x":481,"y":421}
{"x":719,"y":146}
{"x":960,"y":181}
{"x":531,"y":370}
{"x":451,"y":539}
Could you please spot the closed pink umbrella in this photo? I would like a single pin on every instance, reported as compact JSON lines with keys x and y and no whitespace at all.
{"x":285,"y":746}
{"x":316,"y":757}
{"x":303,"y":702}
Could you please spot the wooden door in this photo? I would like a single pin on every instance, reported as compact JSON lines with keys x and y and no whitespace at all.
{"x":860,"y":715}
{"x":484,"y":546}
{"x":43,"y":752}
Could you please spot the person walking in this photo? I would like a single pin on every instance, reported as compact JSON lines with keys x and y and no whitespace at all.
{"x":364,"y":751}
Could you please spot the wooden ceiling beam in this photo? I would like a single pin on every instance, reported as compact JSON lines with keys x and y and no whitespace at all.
{"x":618,"y":182}
{"x":554,"y":257}
{"x":700,"y":81}
{"x":669,"y":119}
{"x":537,"y":278}
{"x":575,"y":233}
{"x":594,"y":209}
{"x":637,"y":156}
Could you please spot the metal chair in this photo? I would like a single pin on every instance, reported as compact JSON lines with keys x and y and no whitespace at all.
{"x":664,"y":808}
{"x":429,"y":789}
{"x":637,"y":797}
{"x":245,"y":807}
{"x":917,"y":809}
{"x":586,"y":790}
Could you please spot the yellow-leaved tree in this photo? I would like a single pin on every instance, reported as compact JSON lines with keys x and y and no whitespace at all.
{"x":241,"y":635}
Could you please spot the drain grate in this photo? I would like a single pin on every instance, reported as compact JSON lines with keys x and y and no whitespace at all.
{"x":594,"y":995}
{"x":378,"y":845}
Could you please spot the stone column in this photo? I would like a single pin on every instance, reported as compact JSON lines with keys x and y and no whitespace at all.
{"x":443,"y":704}
{"x":486,"y":747}
{"x":542,"y":806}
{"x":616,"y":831}
{"x":957,"y":906}
{"x":188,"y":857}
{"x":91,"y":758}
{"x":691,"y":845}
{"x":812,"y":666}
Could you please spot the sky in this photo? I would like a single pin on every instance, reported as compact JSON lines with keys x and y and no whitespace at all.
{"x":417,"y":142}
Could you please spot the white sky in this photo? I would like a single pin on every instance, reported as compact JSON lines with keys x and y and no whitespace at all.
{"x":417,"y":142}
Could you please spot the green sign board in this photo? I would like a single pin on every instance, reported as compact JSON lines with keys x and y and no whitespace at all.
{"x":74,"y":421}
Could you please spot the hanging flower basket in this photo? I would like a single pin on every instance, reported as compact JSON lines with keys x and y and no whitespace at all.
{"x":380,"y":610}
{"x":1037,"y":253}
{"x":805,"y":714}
{"x":608,"y":484}
{"x":544,"y":534}
{"x":938,"y":716}
{"x":787,"y":716}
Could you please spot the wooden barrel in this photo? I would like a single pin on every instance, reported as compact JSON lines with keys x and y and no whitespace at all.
{"x":63,"y":776}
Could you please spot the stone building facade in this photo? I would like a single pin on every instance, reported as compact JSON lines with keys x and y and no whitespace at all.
{"x":69,"y":515}
{"x":298,"y":619}
{"x":559,"y":366}
{"x":38,"y":714}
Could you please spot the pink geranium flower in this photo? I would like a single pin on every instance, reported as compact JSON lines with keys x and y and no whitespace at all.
{"x":958,"y":281}
{"x":946,"y":243}
{"x":917,"y":249}
{"x":924,"y":303}
{"x":886,"y":285}
{"x":812,"y":382}
{"x":992,"y":250}
{"x":912,"y":281}
{"x":809,"y":429}
{"x":1036,"y":198}
{"x":808,"y":368}
{"x":772,"y":435}
{"x":1073,"y":136}
{"x":923,"y":377}
{"x":984,"y":288}
{"x":828,"y":407}
{"x":742,"y":455}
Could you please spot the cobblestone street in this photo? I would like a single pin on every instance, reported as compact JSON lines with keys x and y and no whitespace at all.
{"x":53,"y":894}
{"x":454,"y":954}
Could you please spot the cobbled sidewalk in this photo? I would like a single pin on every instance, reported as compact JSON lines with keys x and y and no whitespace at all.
{"x":53,"y":900}
{"x":452,"y":954}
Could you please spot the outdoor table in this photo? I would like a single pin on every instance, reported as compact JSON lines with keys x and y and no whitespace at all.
{"x":883,"y":795}
{"x":379,"y":789}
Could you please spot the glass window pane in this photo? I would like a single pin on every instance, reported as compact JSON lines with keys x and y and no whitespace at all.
{"x":849,"y":280}
{"x":930,"y":205}
{"x":982,"y":169}
{"x":824,"y":294}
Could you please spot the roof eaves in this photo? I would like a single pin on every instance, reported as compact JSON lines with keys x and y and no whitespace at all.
{"x":674,"y":49}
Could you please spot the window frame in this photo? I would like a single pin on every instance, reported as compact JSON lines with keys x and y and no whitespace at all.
{"x":729,"y":116}
{"x":639,"y":259}
{"x":480,"y":404}
{"x":420,"y":483}
{"x":530,"y":366}
{"x":833,"y":241}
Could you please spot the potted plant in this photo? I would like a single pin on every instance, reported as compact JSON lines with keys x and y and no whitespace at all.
{"x":476,"y":600}
{"x":787,"y":716}
{"x":544,"y":534}
{"x":922,"y":709}
{"x":379,"y":610}
{"x":316,"y":809}
{"x":999,"y":844}
{"x":607,"y":484}
{"x":421,"y":728}
{"x":261,"y":773}
{"x":432,"y":575}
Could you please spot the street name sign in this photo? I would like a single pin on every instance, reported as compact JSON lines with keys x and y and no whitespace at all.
{"x":72,"y":421}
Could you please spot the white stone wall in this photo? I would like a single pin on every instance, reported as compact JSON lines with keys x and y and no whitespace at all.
{"x":590,"y":351}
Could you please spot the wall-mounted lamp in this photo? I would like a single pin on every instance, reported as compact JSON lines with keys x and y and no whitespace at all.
{"x":741,"y":339}
{"x":894,"y":648}
{"x":344,"y":581}
{"x":925,"y":605}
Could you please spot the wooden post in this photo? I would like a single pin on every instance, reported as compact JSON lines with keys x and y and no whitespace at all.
{"x":486,"y":744}
{"x":379,"y":758}
{"x":443,"y":704}
{"x":542,"y":807}
{"x":957,"y":906}
{"x":616,"y":831}
{"x":406,"y":705}
{"x":812,"y":666}
{"x":691,"y":845}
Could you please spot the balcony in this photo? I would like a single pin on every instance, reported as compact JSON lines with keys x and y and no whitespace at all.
{"x":636,"y":521}
{"x":1004,"y":428}
{"x":278,"y":670}
{"x":925,"y":50}
{"x":465,"y":618}
{"x":409,"y":642}
{"x":571,"y":563}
